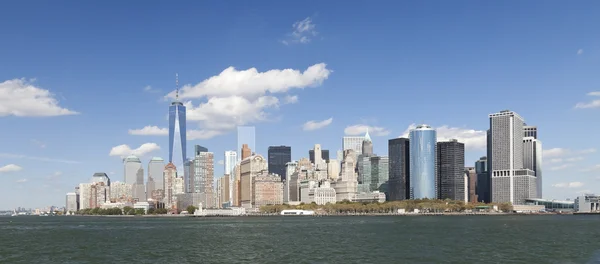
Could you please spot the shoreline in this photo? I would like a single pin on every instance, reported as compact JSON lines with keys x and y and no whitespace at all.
{"x":334,"y":215}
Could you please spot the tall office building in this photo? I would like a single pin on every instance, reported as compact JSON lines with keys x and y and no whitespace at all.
{"x":245,"y":151}
{"x":353,"y":143}
{"x":422,"y":162}
{"x":375,"y":174}
{"x":250,"y":167}
{"x":71,"y":204}
{"x":278,"y":157}
{"x":511,"y":181}
{"x":483,"y":189}
{"x":134,"y":175}
{"x":471,"y":184}
{"x":324,"y":155}
{"x":101,"y":177}
{"x":155,"y":182}
{"x":532,"y":159}
{"x":451,"y":170}
{"x":170,"y":184}
{"x":177,"y":121}
{"x":530,"y":131}
{"x":245,"y":135}
{"x":399,"y":169}
{"x":230,"y":161}
{"x":367,"y":145}
{"x":203,"y":176}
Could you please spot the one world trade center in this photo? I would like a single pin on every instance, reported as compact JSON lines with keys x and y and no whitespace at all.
{"x":177,"y":112}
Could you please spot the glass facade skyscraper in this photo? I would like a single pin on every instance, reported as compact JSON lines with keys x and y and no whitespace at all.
{"x":423,"y":140}
{"x":177,"y":113}
{"x":278,"y":157}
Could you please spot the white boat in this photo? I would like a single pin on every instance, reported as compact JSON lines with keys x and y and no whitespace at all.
{"x":14,"y":213}
{"x":297,"y":212}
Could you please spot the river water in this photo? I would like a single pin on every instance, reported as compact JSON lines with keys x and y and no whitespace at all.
{"x":302,"y":239}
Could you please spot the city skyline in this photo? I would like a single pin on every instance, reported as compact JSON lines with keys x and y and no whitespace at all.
{"x":294,"y":91}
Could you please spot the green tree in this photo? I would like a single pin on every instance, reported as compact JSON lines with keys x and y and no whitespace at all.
{"x":191,"y":209}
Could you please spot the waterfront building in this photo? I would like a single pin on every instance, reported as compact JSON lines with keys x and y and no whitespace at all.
{"x":93,"y":195}
{"x":134,"y":175}
{"x":399,"y":169}
{"x":471,"y":175}
{"x":267,"y":189}
{"x":318,"y":192}
{"x":121,"y":192}
{"x":246,"y":135}
{"x":369,"y":197}
{"x":279,"y":156}
{"x":587,"y":203}
{"x":223,"y":190}
{"x":552,"y":205}
{"x":177,"y":123}
{"x":451,"y":170}
{"x":423,"y":182}
{"x":483,"y":187}
{"x":71,"y":203}
{"x":510,"y":180}
{"x":250,"y":167}
{"x":532,"y":158}
{"x":373,"y":173}
{"x":333,"y":169}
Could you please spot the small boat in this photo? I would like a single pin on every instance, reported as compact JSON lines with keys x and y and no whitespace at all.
{"x":297,"y":212}
{"x":14,"y":213}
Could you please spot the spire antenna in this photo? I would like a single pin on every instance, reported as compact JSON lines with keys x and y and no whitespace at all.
{"x":177,"y":87}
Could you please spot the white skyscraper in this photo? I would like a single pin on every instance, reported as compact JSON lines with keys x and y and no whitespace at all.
{"x":511,"y":180}
{"x":532,"y":159}
{"x":353,"y":143}
{"x":230,"y":161}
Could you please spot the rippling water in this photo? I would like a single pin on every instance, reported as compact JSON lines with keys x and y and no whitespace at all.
{"x":375,"y":239}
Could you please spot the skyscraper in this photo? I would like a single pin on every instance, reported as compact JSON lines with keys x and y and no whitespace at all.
{"x":278,"y":157}
{"x":483,"y":188}
{"x":367,"y":145}
{"x":532,"y":159}
{"x":451,"y":170}
{"x":245,"y":152}
{"x":134,"y":175}
{"x":353,"y":143}
{"x":511,"y":181}
{"x":155,"y":184}
{"x":245,"y":135}
{"x":399,"y":162}
{"x":230,"y":161}
{"x":324,"y":155}
{"x":422,"y":162}
{"x":177,"y":116}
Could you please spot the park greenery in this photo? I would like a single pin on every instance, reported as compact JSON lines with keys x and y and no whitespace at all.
{"x":424,"y":205}
{"x":127,"y":210}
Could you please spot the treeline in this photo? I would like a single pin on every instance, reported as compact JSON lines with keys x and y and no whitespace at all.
{"x":424,"y":205}
{"x":127,"y":210}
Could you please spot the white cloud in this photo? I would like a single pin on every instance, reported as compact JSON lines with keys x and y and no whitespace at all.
{"x":561,"y":167}
{"x":556,"y":153}
{"x":593,"y":168}
{"x":573,"y":159}
{"x":473,"y":139}
{"x":54,"y":176}
{"x":592,"y":104}
{"x":579,"y":51}
{"x":203,"y":134}
{"x":568,"y":185}
{"x":221,"y":162}
{"x":149,"y":89}
{"x":362,"y":129}
{"x":125,"y":150}
{"x":225,"y":113}
{"x":20,"y":97}
{"x":314,"y":125}
{"x":17,"y":156}
{"x":251,"y":84}
{"x":149,"y":131}
{"x":303,"y":32}
{"x":21,"y":181}
{"x":38,"y":143}
{"x":10,"y":168}
{"x":290,"y":99}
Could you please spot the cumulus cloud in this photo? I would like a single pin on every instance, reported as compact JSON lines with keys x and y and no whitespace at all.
{"x":473,"y":139}
{"x":149,"y":89}
{"x":591,"y":104}
{"x":10,"y":168}
{"x":19,"y":97}
{"x":125,"y":150}
{"x":362,"y":129}
{"x":252,"y":83}
{"x":314,"y":125}
{"x":149,"y":131}
{"x":561,"y":152}
{"x":303,"y":32}
{"x":568,"y":185}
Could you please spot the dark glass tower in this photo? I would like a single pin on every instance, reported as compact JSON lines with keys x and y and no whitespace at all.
{"x":399,"y":169}
{"x":451,"y":170}
{"x":324,"y":155}
{"x":278,"y":157}
{"x":177,"y":112}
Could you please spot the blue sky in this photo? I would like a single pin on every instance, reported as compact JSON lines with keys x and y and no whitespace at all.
{"x":76,"y":77}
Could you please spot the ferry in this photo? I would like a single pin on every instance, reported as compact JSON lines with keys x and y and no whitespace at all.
{"x":297,"y":212}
